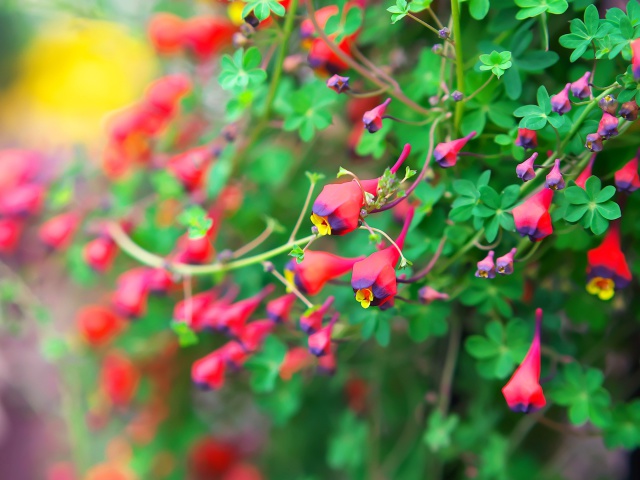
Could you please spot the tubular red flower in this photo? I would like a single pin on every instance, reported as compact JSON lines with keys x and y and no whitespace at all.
{"x":627,"y":179}
{"x":317,"y":268}
{"x":205,"y":36}
{"x":234,"y":317}
{"x":525,"y":170}
{"x":372,"y":119}
{"x":18,"y":167}
{"x":311,"y":320}
{"x":10,"y":233}
{"x":320,"y":341}
{"x":208,"y":372}
{"x":374,"y":279}
{"x":327,"y":364}
{"x":608,"y":126}
{"x":22,"y":201}
{"x":586,"y":173}
{"x":191,"y":167}
{"x":253,"y":334}
{"x":523,"y":392}
{"x":426,"y":295}
{"x":504,"y":264}
{"x":98,"y":325}
{"x":296,"y":359}
{"x":446,"y":153}
{"x":132,"y":290}
{"x":635,"y":59}
{"x":194,"y":308}
{"x":532,"y":217}
{"x":164,"y":94}
{"x":607,"y":267}
{"x":160,"y":281}
{"x":527,"y":138}
{"x":279,"y":309}
{"x":560,"y":102}
{"x":234,"y":354}
{"x":580,"y":88}
{"x":486,"y":267}
{"x":119,"y":378}
{"x":100,"y":253}
{"x":165,"y":32}
{"x":58,"y":231}
{"x":555,"y":180}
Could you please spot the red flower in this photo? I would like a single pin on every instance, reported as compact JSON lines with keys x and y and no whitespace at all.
{"x":234,"y":354}
{"x":580,"y":88}
{"x":234,"y":317}
{"x":608,"y":126}
{"x":279,"y":309}
{"x":58,"y":232}
{"x":527,"y":138}
{"x":586,"y":173}
{"x":426,"y":295}
{"x":98,"y":325}
{"x":446,"y":153}
{"x":132,"y":290}
{"x":486,"y":267}
{"x":165,"y":33}
{"x":296,"y":359}
{"x":18,"y":167}
{"x":191,"y":167}
{"x":119,"y":378}
{"x":164,"y":94}
{"x":327,"y":363}
{"x":208,"y":372}
{"x":635,"y":59}
{"x":554,"y":180}
{"x":10,"y":233}
{"x":210,"y":317}
{"x":525,"y":170}
{"x":100,"y":253}
{"x":253,"y":334}
{"x":532,"y":217}
{"x":317,"y":268}
{"x":607,"y":267}
{"x":185,"y":310}
{"x":320,"y":341}
{"x":160,"y":281}
{"x":22,"y":201}
{"x":560,"y":102}
{"x":627,"y":179}
{"x":311,"y":320}
{"x":374,"y":279}
{"x":373,"y":118}
{"x":209,"y":458}
{"x":523,"y":392}
{"x":205,"y":36}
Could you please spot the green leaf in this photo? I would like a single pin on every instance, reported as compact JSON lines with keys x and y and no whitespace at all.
{"x":497,"y":62}
{"x":297,"y":253}
{"x":242,"y":71}
{"x":624,"y":430}
{"x":348,"y":445}
{"x":262,"y":9}
{"x":439,"y":429}
{"x":609,"y":210}
{"x":197,"y":220}
{"x":186,"y":336}
{"x":479,"y":8}
{"x":265,"y":365}
{"x":576,"y":195}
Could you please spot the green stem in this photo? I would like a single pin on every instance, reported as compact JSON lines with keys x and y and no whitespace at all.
{"x":545,"y":31}
{"x":446,"y":382}
{"x":302,"y":212}
{"x":457,"y":35}
{"x":482,"y":87}
{"x":425,"y":24}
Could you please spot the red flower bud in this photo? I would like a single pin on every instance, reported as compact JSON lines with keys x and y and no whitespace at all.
{"x":22,"y":201}
{"x":607,"y":266}
{"x":608,"y":126}
{"x":629,"y":110}
{"x":427,"y":295}
{"x":194,"y":309}
{"x":373,"y":118}
{"x":165,"y":32}
{"x":191,"y":167}
{"x":594,"y":142}
{"x":209,"y":318}
{"x":320,"y":341}
{"x":580,"y":88}
{"x":163,"y":95}
{"x":236,"y":315}
{"x":446,"y":153}
{"x":486,"y":267}
{"x":523,"y":392}
{"x":527,"y":138}
{"x":253,"y":334}
{"x":209,"y":458}
{"x":10,"y":233}
{"x":208,"y":372}
{"x":58,"y":232}
{"x":586,"y":173}
{"x":532,"y":217}
{"x":560,"y":102}
{"x":296,"y":359}
{"x":338,"y":84}
{"x":525,"y":170}
{"x":635,"y":59}
{"x":279,"y":309}
{"x":100,"y":253}
{"x":327,"y":363}
{"x":159,"y":281}
{"x":234,"y":354}
{"x":311,"y":320}
{"x":555,"y":180}
{"x":132,"y":290}
{"x":98,"y":325}
{"x":317,"y":268}
{"x":627,"y":179}
{"x":119,"y":378}
{"x":205,"y":36}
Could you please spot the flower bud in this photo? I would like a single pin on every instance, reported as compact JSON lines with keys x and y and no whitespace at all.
{"x":580,"y":88}
{"x":457,"y":96}
{"x":446,"y":153}
{"x":444,"y":33}
{"x":594,"y":142}
{"x":629,"y":110}
{"x":373,"y":118}
{"x":437,"y":48}
{"x":635,"y":59}
{"x":627,"y":179}
{"x":525,"y":170}
{"x":338,"y":84}
{"x":608,"y":104}
{"x":527,"y":139}
{"x":320,"y":341}
{"x":554,"y":180}
{"x":532,"y":217}
{"x":426,"y":295}
{"x":486,"y":267}
{"x":504,"y":264}
{"x":560,"y":102}
{"x":608,"y":126}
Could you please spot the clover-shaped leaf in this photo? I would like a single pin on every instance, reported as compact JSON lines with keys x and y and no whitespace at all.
{"x":591,"y":206}
{"x":493,"y":209}
{"x":310,"y":110}
{"x":497,"y":62}
{"x":196,"y":219}
{"x":242,"y":70}
{"x":624,"y":430}
{"x":399,"y":10}
{"x":297,"y":253}
{"x":462,"y":207}
{"x":262,"y":8}
{"x":536,"y":117}
{"x":533,"y":8}
{"x":584,"y":33}
{"x":439,"y":430}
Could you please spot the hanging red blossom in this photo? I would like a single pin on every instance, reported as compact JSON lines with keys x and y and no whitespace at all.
{"x":586,"y":173}
{"x":446,"y":153}
{"x":311,"y":320}
{"x":532,"y":217}
{"x":97,"y":325}
{"x":607,"y":267}
{"x":320,"y":341}
{"x":58,"y":231}
{"x":279,"y":309}
{"x":317,"y":268}
{"x":627,"y":179}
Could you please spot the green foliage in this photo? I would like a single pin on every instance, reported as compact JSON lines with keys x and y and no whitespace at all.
{"x":469,"y":194}
{"x":344,"y":23}
{"x":437,"y":436}
{"x":297,"y":253}
{"x":242,"y":70}
{"x":493,"y":209}
{"x":584,"y":33}
{"x":536,"y":117}
{"x":591,"y":206}
{"x":265,"y":365}
{"x":497,"y":62}
{"x":624,"y":430}
{"x":533,"y":8}
{"x":262,"y":9}
{"x":309,"y":111}
{"x":186,"y":336}
{"x":197,"y":221}
{"x":479,"y":8}
{"x":347,"y":449}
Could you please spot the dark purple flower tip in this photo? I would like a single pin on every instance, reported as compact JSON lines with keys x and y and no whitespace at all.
{"x":457,"y":96}
{"x":444,"y":33}
{"x":629,"y":110}
{"x":527,"y":139}
{"x":525,"y":169}
{"x":486,"y":267}
{"x":560,"y":102}
{"x":608,"y":104}
{"x":608,"y":126}
{"x":338,"y":84}
{"x":580,"y":88}
{"x":504,"y":264}
{"x":554,"y":180}
{"x":594,"y":142}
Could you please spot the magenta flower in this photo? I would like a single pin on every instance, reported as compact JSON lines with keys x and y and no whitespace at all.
{"x":627,"y":179}
{"x":608,"y":104}
{"x":608,"y":126}
{"x":586,"y":173}
{"x":426,"y":295}
{"x":629,"y":110}
{"x":373,"y":118}
{"x":446,"y":153}
{"x":527,"y":138}
{"x":504,"y":264}
{"x":532,"y":216}
{"x":311,"y":320}
{"x":635,"y":59}
{"x":594,"y":142}
{"x":338,"y":84}
{"x":320,"y":341}
{"x":525,"y":169}
{"x":580,"y":88}
{"x":486,"y":267}
{"x":554,"y":180}
{"x":560,"y":102}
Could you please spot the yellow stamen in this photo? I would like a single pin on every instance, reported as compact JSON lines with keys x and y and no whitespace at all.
{"x":321,"y":223}
{"x":289,"y":277}
{"x":602,"y":287}
{"x":365,"y":297}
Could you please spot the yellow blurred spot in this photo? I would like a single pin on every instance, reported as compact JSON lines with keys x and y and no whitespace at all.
{"x":365,"y":297}
{"x":234,"y":12}
{"x":321,"y":223}
{"x":73,"y":73}
{"x":289,"y":276}
{"x":602,"y":287}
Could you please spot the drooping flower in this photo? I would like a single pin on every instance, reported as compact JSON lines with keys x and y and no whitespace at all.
{"x":234,"y":317}
{"x":119,"y":378}
{"x":446,"y":153}
{"x":191,"y":167}
{"x":608,"y":104}
{"x":635,"y":59}
{"x":486,"y":267}
{"x":190,"y":310}
{"x":132,"y":290}
{"x":607,"y":267}
{"x":317,"y":268}
{"x":594,"y":142}
{"x":100,"y":253}
{"x":296,"y":359}
{"x":205,"y":35}
{"x":555,"y":180}
{"x":525,"y":170}
{"x":532,"y":217}
{"x":97,"y":325}
{"x":627,"y":179}
{"x":504,"y":264}
{"x":426,"y":295}
{"x":279,"y":309}
{"x":580,"y":88}
{"x":560,"y":102}
{"x":234,"y":354}
{"x":608,"y":126}
{"x":374,"y":279}
{"x":523,"y":392}
{"x":527,"y":138}
{"x":210,"y":316}
{"x":320,"y":341}
{"x":629,"y":110}
{"x":159,"y":281}
{"x":327,"y":364}
{"x":253,"y":334}
{"x":372,"y":119}
{"x":58,"y":231}
{"x":208,"y":372}
{"x":311,"y":320}
{"x":338,"y":84}
{"x":586,"y":173}
{"x":10,"y":233}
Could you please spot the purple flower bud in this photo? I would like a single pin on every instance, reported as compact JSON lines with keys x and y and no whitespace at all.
{"x":608,"y":126}
{"x":560,"y":102}
{"x":437,"y":48}
{"x":555,"y":181}
{"x":338,"y":84}
{"x":504,"y":264}
{"x":444,"y":33}
{"x":608,"y":104}
{"x":580,"y":88}
{"x":427,"y":295}
{"x":372,"y":119}
{"x":527,"y":138}
{"x":629,"y":110}
{"x":525,"y":169}
{"x":486,"y":267}
{"x":594,"y":142}
{"x":457,"y":96}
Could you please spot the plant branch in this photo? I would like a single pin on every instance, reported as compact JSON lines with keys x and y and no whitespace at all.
{"x":457,"y":35}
